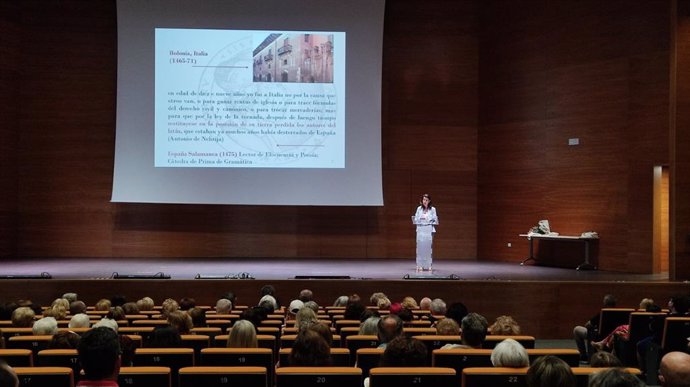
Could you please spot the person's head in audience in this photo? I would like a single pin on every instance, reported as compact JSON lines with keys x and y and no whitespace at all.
{"x":198,"y":316}
{"x":99,"y":354}
{"x":8,"y":378}
{"x":448,"y":327}
{"x":550,"y":371}
{"x":679,"y":304}
{"x":603,"y":359}
{"x":269,"y":303}
{"x":118,"y":300}
{"x":509,"y":353}
{"x":354,"y":298}
{"x":130,"y":308}
{"x":223,"y":306}
{"x":305,"y":295}
{"x":58,"y":309}
{"x":505,"y":326}
{"x":438,"y":307}
{"x":77,"y":307}
{"x":107,"y":323}
{"x":395,"y":308}
{"x":230,"y":296}
{"x":310,"y":350}
{"x":64,"y":340}
{"x":404,"y":351}
{"x":645,"y":303}
{"x":375,"y":297}
{"x":80,"y":320}
{"x":23,"y":317}
{"x":425,"y":303}
{"x":181,"y":321}
{"x":353,"y":311}
{"x":269,"y":290}
{"x":474,"y":327}
{"x":45,"y":326}
{"x":312,"y":305}
{"x":252,"y":315}
{"x":370,"y":326}
{"x":295,"y":306}
{"x":165,"y":337}
{"x":389,"y":328}
{"x":409,"y":303}
{"x":7,"y":309}
{"x":653,"y":308}
{"x":70,"y":297}
{"x":674,"y":370}
{"x":384,"y":303}
{"x":368,"y":313}
{"x":116,"y":313}
{"x":243,"y":335}
{"x":341,"y":301}
{"x":62,"y":302}
{"x":168,"y":306}
{"x":406,"y":315}
{"x":30,"y":304}
{"x":609,"y":301}
{"x":457,"y":311}
{"x":304,"y":318}
{"x":103,"y":305}
{"x":145,"y":304}
{"x":187,"y":303}
{"x":324,"y":331}
{"x":614,"y":377}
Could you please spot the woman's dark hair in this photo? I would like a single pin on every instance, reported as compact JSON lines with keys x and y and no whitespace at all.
{"x":603,"y":359}
{"x":165,"y":337}
{"x":421,"y":200}
{"x":549,"y":371}
{"x":309,"y":350}
{"x":404,"y":351}
{"x":64,"y":340}
{"x":353,"y":311}
{"x":457,"y":311}
{"x":324,"y":331}
{"x":198,"y":316}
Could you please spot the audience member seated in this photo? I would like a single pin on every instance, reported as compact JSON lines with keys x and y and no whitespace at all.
{"x":118,"y":300}
{"x":674,"y":370}
{"x":145,"y":304}
{"x":103,"y":305}
{"x":457,"y":311}
{"x":45,"y":326}
{"x":8,"y":378}
{"x":270,"y":290}
{"x":181,"y":321}
{"x":368,"y":313}
{"x":406,"y":315}
{"x":509,"y":353}
{"x":64,"y":340}
{"x":77,"y":307}
{"x":375,"y":297}
{"x":305,"y":295}
{"x":243,"y":335}
{"x":473,"y":328}
{"x":29,"y":304}
{"x":603,"y":359}
{"x":550,"y":371}
{"x":384,"y":303}
{"x":230,"y":296}
{"x":341,"y":301}
{"x":165,"y":337}
{"x":354,"y":310}
{"x":295,"y":306}
{"x":505,"y":326}
{"x":425,"y":303}
{"x":614,"y":377}
{"x":269,"y":303}
{"x":606,"y":344}
{"x":23,"y":317}
{"x":223,"y":306}
{"x":310,"y":350}
{"x":7,"y":309}
{"x":254,"y":315}
{"x":370,"y":326}
{"x":168,"y":306}
{"x":405,"y":352}
{"x":389,"y":328}
{"x":116,"y":313}
{"x":70,"y":297}
{"x":584,"y":334}
{"x":107,"y":323}
{"x":312,"y":305}
{"x":198,"y":316}
{"x":58,"y":309}
{"x":448,"y":327}
{"x":130,"y":308}
{"x":678,"y":306}
{"x":305,"y":318}
{"x":99,"y":355}
{"x":438,"y":307}
{"x":409,"y":303}
{"x":324,"y":331}
{"x":187,"y":303}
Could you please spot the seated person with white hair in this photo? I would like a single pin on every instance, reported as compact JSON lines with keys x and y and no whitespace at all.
{"x":312,"y":305}
{"x":438,"y":307}
{"x":80,"y":320}
{"x":295,"y":306}
{"x":509,"y":353}
{"x":268,"y":302}
{"x":108,"y":323}
{"x":70,"y":297}
{"x":223,"y":306}
{"x":341,"y":301}
{"x":45,"y":326}
{"x":23,"y":317}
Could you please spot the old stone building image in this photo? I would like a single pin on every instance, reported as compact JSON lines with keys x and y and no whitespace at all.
{"x":292,"y":57}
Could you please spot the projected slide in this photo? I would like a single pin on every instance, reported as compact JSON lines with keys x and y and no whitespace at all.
{"x":249,"y":99}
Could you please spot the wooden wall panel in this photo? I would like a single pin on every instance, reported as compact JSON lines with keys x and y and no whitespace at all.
{"x":9,"y":70}
{"x":572,"y":70}
{"x":680,"y":168}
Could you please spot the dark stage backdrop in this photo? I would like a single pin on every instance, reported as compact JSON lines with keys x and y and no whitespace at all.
{"x":479,"y":99}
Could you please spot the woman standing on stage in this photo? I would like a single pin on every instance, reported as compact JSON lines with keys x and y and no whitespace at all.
{"x":425,"y":218}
